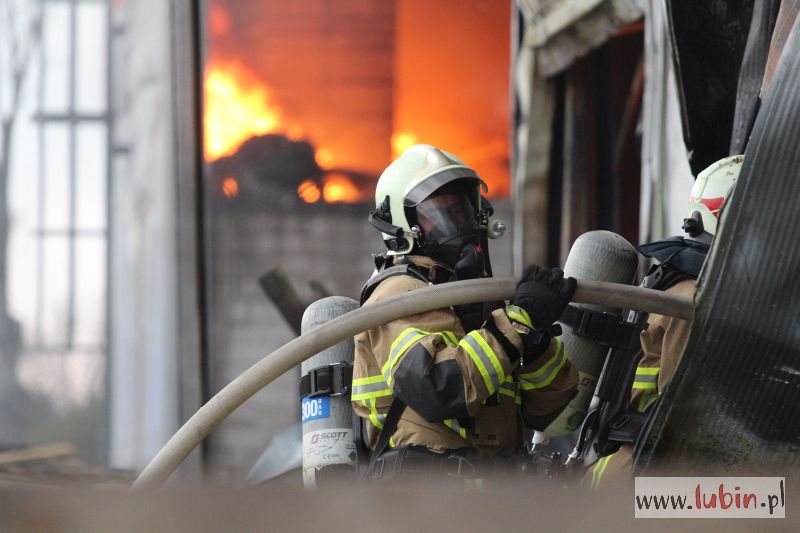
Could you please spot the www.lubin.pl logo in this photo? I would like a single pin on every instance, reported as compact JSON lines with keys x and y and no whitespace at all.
{"x":685,"y":497}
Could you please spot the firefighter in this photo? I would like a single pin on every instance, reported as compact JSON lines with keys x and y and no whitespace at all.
{"x":679,"y":260}
{"x":441,"y":392}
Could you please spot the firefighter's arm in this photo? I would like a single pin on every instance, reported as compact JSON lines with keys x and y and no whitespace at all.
{"x":547,"y":379}
{"x":428,"y":363}
{"x":644,"y":390}
{"x":547,"y":384}
{"x":663,"y":343}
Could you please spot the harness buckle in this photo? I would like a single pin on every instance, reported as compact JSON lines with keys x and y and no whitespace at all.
{"x":334,"y":379}
{"x":460,"y":464}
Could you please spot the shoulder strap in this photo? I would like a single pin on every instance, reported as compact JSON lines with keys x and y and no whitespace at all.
{"x":389,"y":425}
{"x":663,"y":276}
{"x":405,"y":269}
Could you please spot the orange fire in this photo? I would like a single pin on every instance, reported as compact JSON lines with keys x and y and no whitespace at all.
{"x":335,"y":188}
{"x":309,"y":192}
{"x":338,"y":188}
{"x":401,"y":141}
{"x":230,"y":187}
{"x":237,"y":107}
{"x":219,"y":21}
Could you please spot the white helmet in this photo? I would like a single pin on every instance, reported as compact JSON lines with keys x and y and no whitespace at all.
{"x":710,"y":190}
{"x":412,"y":178}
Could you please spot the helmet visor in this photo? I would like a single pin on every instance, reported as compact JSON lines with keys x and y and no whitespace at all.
{"x":423,"y":189}
{"x":446,"y":218}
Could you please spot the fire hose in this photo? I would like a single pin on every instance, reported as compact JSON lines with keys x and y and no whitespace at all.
{"x":421,"y":300}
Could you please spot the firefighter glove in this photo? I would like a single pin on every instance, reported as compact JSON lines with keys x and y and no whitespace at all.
{"x":544,"y":294}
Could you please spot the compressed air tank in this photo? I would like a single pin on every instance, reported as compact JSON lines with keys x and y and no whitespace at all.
{"x":599,"y":256}
{"x":327,"y":418}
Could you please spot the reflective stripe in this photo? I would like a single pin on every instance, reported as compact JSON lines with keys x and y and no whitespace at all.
{"x":449,"y":337}
{"x":519,"y":314}
{"x":646,"y":378}
{"x":511,"y":393}
{"x":391,"y":442}
{"x":509,"y":388}
{"x":368,"y":380}
{"x":407,"y":338}
{"x":377,"y":419}
{"x":647,"y":399}
{"x":485,"y":360}
{"x":599,"y":468}
{"x":402,"y":343}
{"x":547,"y":373}
{"x":369,"y":387}
{"x":455,"y":426}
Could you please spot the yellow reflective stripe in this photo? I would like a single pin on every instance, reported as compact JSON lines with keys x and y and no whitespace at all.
{"x":481,"y":368}
{"x":485,"y":360}
{"x":646,"y":378}
{"x":449,"y":337}
{"x":391,"y":442}
{"x":369,"y":380}
{"x":506,"y":392}
{"x":509,"y":388}
{"x":498,"y":367}
{"x":408,"y":341}
{"x":455,"y":426}
{"x":647,"y":399}
{"x":519,"y":314}
{"x":545,"y":375}
{"x":376,"y":420}
{"x":369,"y":387}
{"x":375,"y":417}
{"x":366,"y":392}
{"x":599,"y":469}
{"x":404,"y":341}
{"x":399,"y":345}
{"x":369,"y":395}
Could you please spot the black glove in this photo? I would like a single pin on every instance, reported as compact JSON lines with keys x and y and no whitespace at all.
{"x":473,"y":316}
{"x":544,"y":294}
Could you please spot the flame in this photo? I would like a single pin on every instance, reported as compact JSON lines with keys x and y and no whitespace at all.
{"x":219,"y":21}
{"x":309,"y":192}
{"x":236,"y":108}
{"x":324,"y":157}
{"x":230,"y":187}
{"x":401,"y":141}
{"x":338,"y":188}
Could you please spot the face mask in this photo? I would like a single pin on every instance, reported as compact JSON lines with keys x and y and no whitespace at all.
{"x":450,"y":231}
{"x":470,"y":263}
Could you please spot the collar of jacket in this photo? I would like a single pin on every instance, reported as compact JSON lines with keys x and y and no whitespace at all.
{"x":435,"y":272}
{"x":685,"y":255}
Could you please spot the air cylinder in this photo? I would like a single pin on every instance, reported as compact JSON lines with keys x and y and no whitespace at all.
{"x":327,"y":415}
{"x":600,"y":256}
